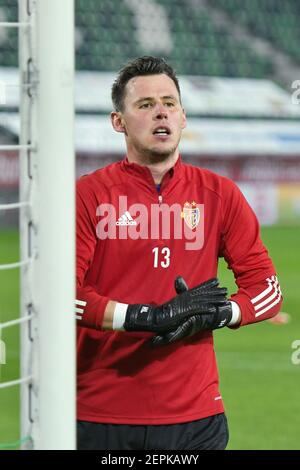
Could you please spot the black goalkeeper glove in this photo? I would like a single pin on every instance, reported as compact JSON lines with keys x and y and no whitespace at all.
{"x":216,"y":316}
{"x":167,"y":317}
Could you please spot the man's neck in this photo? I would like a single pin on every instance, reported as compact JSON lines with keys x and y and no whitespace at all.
{"x":159,"y":169}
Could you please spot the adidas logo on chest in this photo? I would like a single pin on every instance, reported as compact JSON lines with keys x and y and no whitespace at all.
{"x":126,"y":219}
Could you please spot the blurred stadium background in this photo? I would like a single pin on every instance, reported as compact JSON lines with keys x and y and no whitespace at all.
{"x":239,"y":65}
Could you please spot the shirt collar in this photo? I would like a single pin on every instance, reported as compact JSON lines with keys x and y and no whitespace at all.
{"x":143,"y":173}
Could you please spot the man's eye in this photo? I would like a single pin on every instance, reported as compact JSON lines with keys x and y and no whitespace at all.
{"x":145,"y":105}
{"x":170,"y":104}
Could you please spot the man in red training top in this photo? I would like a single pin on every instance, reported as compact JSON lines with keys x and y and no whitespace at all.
{"x":150,"y":230}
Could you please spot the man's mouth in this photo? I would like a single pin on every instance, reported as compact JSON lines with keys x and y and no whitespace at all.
{"x":162,"y":131}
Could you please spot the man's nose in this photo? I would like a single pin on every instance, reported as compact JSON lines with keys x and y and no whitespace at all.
{"x":160,"y":111}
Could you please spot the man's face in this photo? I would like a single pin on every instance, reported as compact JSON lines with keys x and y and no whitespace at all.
{"x":152,"y":118}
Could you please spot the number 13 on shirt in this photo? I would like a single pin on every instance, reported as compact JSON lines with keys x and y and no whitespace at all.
{"x":161,"y":257}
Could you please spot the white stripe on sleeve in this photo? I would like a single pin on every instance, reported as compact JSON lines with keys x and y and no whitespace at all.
{"x":268,"y":297}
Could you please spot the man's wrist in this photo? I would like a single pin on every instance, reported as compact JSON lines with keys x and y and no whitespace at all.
{"x":107,"y":322}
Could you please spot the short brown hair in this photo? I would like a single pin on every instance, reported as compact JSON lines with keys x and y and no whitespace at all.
{"x":146,"y":65}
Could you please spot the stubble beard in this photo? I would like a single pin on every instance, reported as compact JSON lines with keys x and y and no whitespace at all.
{"x":156,"y":155}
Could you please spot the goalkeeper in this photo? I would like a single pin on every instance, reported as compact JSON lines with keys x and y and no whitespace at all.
{"x":148,"y":298}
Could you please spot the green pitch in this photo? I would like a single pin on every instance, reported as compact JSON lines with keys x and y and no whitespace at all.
{"x":259,"y":384}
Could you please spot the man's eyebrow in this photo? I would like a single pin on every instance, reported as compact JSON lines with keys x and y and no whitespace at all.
{"x":170,"y":97}
{"x":145,"y":98}
{"x":150,"y":98}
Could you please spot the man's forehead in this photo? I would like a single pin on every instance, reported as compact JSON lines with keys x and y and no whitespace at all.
{"x":151,"y":85}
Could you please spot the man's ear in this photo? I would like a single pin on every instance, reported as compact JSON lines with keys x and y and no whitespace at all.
{"x":183,"y":124}
{"x":117,"y":121}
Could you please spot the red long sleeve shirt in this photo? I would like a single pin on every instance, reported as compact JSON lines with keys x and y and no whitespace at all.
{"x":128,"y":254}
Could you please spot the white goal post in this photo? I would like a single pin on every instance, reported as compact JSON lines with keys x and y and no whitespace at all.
{"x":47,"y":226}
